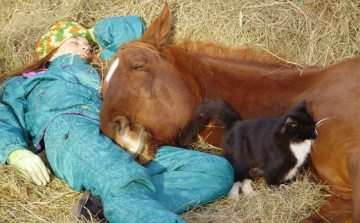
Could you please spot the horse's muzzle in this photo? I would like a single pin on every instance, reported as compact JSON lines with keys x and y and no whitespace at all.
{"x":134,"y":139}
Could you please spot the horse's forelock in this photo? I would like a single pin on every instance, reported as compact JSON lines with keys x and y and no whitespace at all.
{"x":137,"y":44}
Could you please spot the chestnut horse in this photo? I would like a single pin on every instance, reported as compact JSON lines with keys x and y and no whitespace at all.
{"x":157,"y":86}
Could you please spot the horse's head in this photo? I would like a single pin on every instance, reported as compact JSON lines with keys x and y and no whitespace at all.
{"x":146,"y":88}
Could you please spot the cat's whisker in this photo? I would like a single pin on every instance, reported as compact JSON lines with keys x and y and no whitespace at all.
{"x":313,"y":145}
{"x":319,"y":123}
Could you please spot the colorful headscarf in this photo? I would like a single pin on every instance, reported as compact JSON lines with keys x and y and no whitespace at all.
{"x":58,"y":34}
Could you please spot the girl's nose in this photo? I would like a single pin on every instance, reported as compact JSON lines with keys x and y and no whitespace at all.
{"x":86,"y":49}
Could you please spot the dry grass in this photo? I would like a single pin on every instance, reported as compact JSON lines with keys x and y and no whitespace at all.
{"x":297,"y":201}
{"x":22,"y":201}
{"x":316,"y":32}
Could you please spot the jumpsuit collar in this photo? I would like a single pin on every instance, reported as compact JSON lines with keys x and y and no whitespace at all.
{"x":67,"y":60}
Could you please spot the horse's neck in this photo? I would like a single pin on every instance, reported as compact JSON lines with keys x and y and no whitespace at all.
{"x":251,"y":88}
{"x":256,"y":90}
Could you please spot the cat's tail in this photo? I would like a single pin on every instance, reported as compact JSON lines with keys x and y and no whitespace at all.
{"x":216,"y":110}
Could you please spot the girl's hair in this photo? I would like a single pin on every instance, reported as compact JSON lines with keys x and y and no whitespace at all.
{"x":33,"y":66}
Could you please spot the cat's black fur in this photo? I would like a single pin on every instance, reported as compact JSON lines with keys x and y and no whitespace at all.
{"x":262,"y":143}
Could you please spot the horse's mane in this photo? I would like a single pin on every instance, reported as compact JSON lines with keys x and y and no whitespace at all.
{"x":246,"y":54}
{"x":217,"y":51}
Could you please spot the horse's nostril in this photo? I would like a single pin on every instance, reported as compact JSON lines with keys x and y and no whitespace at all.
{"x":121,"y":124}
{"x":117,"y":126}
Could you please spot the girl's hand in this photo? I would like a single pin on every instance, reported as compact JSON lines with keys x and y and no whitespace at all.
{"x":30,"y":165}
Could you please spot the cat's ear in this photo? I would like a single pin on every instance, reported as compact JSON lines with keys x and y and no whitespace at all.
{"x":289,"y":120}
{"x":302,"y":104}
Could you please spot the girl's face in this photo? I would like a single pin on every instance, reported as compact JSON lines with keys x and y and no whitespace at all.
{"x":77,"y":45}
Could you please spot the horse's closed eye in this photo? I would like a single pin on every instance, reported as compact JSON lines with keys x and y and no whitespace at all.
{"x":139,"y":66}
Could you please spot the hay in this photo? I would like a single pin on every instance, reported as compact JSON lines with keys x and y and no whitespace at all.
{"x":290,"y":204}
{"x":22,"y":201}
{"x":318,"y":32}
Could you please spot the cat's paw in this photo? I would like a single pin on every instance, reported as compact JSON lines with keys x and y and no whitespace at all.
{"x":247,"y":187}
{"x":234,"y":192}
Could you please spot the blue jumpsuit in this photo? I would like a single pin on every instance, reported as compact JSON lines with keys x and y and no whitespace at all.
{"x":59,"y":110}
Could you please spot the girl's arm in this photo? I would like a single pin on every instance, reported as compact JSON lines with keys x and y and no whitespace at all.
{"x":14,"y":138}
{"x":12,"y":127}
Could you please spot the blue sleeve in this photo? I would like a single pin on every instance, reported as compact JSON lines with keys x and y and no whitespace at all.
{"x":112,"y":32}
{"x":12,"y":122}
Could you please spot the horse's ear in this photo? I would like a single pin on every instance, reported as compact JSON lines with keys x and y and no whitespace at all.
{"x":158,"y":31}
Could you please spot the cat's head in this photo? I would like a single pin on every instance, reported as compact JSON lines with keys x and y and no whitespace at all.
{"x":298,"y":124}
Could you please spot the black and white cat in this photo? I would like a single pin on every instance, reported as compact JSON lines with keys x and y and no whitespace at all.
{"x":276,"y":148}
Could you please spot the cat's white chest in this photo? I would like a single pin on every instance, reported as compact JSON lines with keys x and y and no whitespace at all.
{"x":300,"y":151}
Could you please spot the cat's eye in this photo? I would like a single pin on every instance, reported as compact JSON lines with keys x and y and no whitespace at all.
{"x":294,"y":124}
